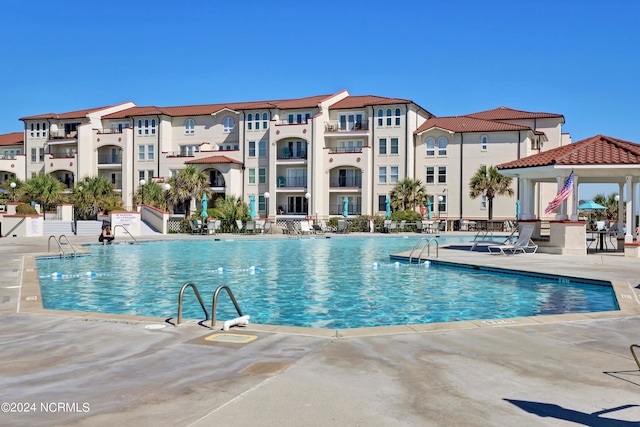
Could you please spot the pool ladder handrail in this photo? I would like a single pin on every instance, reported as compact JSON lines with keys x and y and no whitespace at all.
{"x":57,"y":240}
{"x":181,"y":298}
{"x":125,"y":230}
{"x":427,"y":246}
{"x":633,"y":353}
{"x":214,"y":302}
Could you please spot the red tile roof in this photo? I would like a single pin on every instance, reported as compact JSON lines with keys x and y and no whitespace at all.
{"x":597,"y":150}
{"x":505,"y":113}
{"x":366,"y":101}
{"x":80,"y":114}
{"x":467,"y":124}
{"x":213,"y":159}
{"x":207,"y":109}
{"x":14,"y":138}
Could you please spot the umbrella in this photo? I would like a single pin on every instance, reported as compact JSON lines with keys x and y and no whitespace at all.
{"x":428,"y":208}
{"x":3,"y":191}
{"x":345,"y":207}
{"x":203,"y":214}
{"x":252,"y":206}
{"x":591,"y":205}
{"x":387,"y":205}
{"x":517,"y":210}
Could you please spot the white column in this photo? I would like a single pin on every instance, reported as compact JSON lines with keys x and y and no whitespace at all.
{"x":525,"y":202}
{"x":620,"y":209}
{"x":631,"y":231}
{"x":574,"y":199}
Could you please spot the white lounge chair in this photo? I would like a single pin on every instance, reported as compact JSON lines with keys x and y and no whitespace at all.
{"x":304,"y":227}
{"x":524,"y":244}
{"x":239,"y":225}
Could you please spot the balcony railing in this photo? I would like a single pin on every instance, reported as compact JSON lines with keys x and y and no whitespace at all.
{"x":60,"y":134}
{"x":345,"y":182}
{"x":353,"y":209}
{"x":292,"y":181}
{"x":62,"y":155}
{"x":289,"y":154}
{"x":109,"y":159}
{"x":337,"y":126}
{"x":334,"y":150}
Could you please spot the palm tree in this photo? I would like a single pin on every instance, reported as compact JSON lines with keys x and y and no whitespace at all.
{"x":44,"y":189}
{"x":186,"y":185}
{"x":153,"y":194}
{"x":610,"y":203}
{"x":488,"y":182}
{"x":408,"y":194}
{"x":230,"y":209}
{"x":95,"y":194}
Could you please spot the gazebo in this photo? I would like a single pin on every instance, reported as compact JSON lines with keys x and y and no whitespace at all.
{"x":599,"y":160}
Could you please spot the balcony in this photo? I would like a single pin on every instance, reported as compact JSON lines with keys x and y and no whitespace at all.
{"x":292,"y":182}
{"x":110,"y":159}
{"x":354,"y":149}
{"x":346,"y":127}
{"x":350,"y":182}
{"x":353,"y":209}
{"x":62,"y":135}
{"x":288,"y":153}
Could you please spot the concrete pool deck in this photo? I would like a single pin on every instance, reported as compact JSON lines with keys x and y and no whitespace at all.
{"x":94,"y":370}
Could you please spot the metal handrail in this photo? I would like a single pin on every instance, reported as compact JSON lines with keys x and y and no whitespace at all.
{"x":68,"y":243}
{"x":181,"y":297}
{"x":57,"y":242}
{"x":427,"y":246}
{"x":125,"y":230}
{"x":214,"y":303}
{"x":633,"y":353}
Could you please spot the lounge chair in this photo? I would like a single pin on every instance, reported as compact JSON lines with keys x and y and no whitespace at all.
{"x":403,"y":223}
{"x":196,"y":226}
{"x":214,"y":226}
{"x":260,"y":225}
{"x":524,"y":244}
{"x":250,"y":227}
{"x":343,"y":227}
{"x":239,"y":225}
{"x":304,"y":227}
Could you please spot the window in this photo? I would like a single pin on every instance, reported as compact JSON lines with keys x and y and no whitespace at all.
{"x":188,"y":150}
{"x":147,"y":175}
{"x":431,"y":147}
{"x":150,"y":152}
{"x":442,"y":203}
{"x":141,"y":152}
{"x":257,"y":121}
{"x":383,"y":146}
{"x":393,"y":174}
{"x":262,"y":149}
{"x":296,"y":177}
{"x":262,"y":203}
{"x":296,"y":205}
{"x":34,"y":155}
{"x":262,"y":176}
{"x":394,"y":146}
{"x":442,"y":175}
{"x":252,"y":176}
{"x":249,"y":120}
{"x":41,"y":154}
{"x":252,"y":148}
{"x":265,"y":120}
{"x":290,"y":119}
{"x":397,"y":117}
{"x":483,"y":202}
{"x":442,"y":146}
{"x":430,"y":175}
{"x":388,"y":116}
{"x":32,"y":129}
{"x":228,"y":124}
{"x":382,"y":174}
{"x":189,"y":126}
{"x":484,"y":143}
{"x":382,"y":203}
{"x":380,"y":117}
{"x":139,"y":127}
{"x":146,"y":152}
{"x":153,"y":127}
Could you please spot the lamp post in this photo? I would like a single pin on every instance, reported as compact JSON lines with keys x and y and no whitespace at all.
{"x":316,"y":217}
{"x":440,"y":199}
{"x":142,"y":183}
{"x":75,"y":209}
{"x":167,"y":187}
{"x":266,"y":202}
{"x":619,"y":233}
{"x":307,"y":196}
{"x":13,"y":191}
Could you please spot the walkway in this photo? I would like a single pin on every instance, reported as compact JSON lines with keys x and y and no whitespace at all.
{"x":105,"y":371}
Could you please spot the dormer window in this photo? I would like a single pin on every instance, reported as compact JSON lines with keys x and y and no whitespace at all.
{"x":189,"y":126}
{"x":228,"y":124}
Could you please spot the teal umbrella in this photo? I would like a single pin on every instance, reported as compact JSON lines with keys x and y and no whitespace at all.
{"x":429,"y":209}
{"x":591,"y":205}
{"x":517,"y":210}
{"x":203,"y":214}
{"x":252,"y":206}
{"x":387,"y":207}
{"x":345,"y":207}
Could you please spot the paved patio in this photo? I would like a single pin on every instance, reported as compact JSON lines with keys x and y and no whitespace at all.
{"x":92,"y":370}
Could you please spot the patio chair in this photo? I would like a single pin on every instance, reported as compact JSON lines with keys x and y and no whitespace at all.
{"x":343,"y":227}
{"x":403,"y":223}
{"x":214,"y":226}
{"x":260,"y":225}
{"x":196,"y":226}
{"x":267,"y":227}
{"x":304,"y":227}
{"x":317,"y":228}
{"x":323,"y":226}
{"x":239,"y":225}
{"x":524,"y":244}
{"x":250,"y":227}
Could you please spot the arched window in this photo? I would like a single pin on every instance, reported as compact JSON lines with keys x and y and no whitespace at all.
{"x":442,"y":146}
{"x":431,"y":147}
{"x":189,"y":126}
{"x":397,"y":117}
{"x":249,"y":120}
{"x":257,"y":122}
{"x":153,"y":127}
{"x":388,"y":116}
{"x":484,"y":143}
{"x":146,"y":126}
{"x":139,"y":127}
{"x":380,"y":114}
{"x":228,"y":123}
{"x":265,"y":120}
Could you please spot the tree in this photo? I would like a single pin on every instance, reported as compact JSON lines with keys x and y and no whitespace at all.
{"x":230,"y":209}
{"x":95,"y":194}
{"x":44,"y":189}
{"x":154,"y":194}
{"x":610,"y":203}
{"x":186,"y":185}
{"x":490,"y":183}
{"x":408,"y":194}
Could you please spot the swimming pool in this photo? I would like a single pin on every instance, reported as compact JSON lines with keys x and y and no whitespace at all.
{"x":336,"y":283}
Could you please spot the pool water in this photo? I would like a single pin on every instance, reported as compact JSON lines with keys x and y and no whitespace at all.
{"x":336,"y":283}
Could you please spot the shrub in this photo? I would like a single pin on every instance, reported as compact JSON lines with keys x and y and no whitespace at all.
{"x":26,"y":209}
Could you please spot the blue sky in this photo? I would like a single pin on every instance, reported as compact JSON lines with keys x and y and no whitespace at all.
{"x":579,"y":58}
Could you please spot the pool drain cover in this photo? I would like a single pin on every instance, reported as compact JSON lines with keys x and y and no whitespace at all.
{"x":231,"y":338}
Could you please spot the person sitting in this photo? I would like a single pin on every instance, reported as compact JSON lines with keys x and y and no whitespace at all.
{"x":106,"y":237}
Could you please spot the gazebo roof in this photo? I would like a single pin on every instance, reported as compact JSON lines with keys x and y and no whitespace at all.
{"x":599,"y":159}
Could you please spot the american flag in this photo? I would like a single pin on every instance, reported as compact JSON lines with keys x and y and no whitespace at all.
{"x":562,"y":195}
